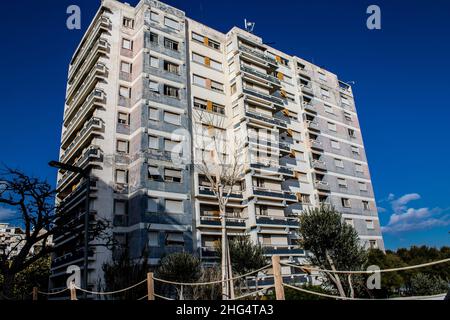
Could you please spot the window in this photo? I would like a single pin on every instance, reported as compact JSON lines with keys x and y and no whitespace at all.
{"x":348,"y":116}
{"x":197,"y":37}
{"x":174,"y":206}
{"x":366,"y":205}
{"x":339,"y":163}
{"x":153,"y":37}
{"x":170,"y":44}
{"x":303,"y":177}
{"x":216,"y":86}
{"x":355,"y":150}
{"x":349,"y":222}
{"x":153,"y":173}
{"x":174,"y":239}
{"x":172,"y":118}
{"x":153,"y":113}
{"x":328,"y":109}
{"x":362,"y":186}
{"x":171,"y":23}
{"x":373,"y":244}
{"x":342,"y":183}
{"x":332,"y":126}
{"x":120,"y":207}
{"x":154,"y":86}
{"x":171,"y":146}
{"x":199,"y":80}
{"x":171,"y":91}
{"x":215,"y":64}
{"x":154,"y":16}
{"x":121,"y":176}
{"x":209,"y":106}
{"x":123,"y":118}
{"x":335,"y":144}
{"x":153,"y":239}
{"x":153,"y":142}
{"x":322,"y":76}
{"x":122,"y":146}
{"x":306,"y":198}
{"x":346,"y":203}
{"x":345,"y":100}
{"x":233,"y":88}
{"x":351,"y":133}
{"x":198,"y":58}
{"x":154,"y":62}
{"x":359,"y":168}
{"x":127,"y":44}
{"x":153,"y":204}
{"x":124,"y":92}
{"x":125,"y":67}
{"x":171,"y":67}
{"x":128,"y":23}
{"x":172,"y":175}
{"x":325,"y":93}
{"x":213,"y":44}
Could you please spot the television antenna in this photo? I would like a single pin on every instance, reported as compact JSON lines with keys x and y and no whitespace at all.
{"x":249,"y":26}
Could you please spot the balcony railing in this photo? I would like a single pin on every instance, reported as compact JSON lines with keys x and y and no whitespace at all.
{"x":322,"y":185}
{"x":312,"y":125}
{"x":102,"y":23}
{"x":216,"y":221}
{"x":307,"y":88}
{"x":273,"y":168}
{"x":95,"y":124}
{"x":284,"y":250}
{"x":95,"y":97}
{"x":263,"y":96}
{"x":264,"y":76}
{"x":279,"y":221}
{"x":265,"y":118}
{"x":92,"y":154}
{"x":315,"y":144}
{"x":207,"y":191}
{"x":281,"y":194}
{"x":258,"y":54}
{"x":74,"y":99}
{"x":319,"y":164}
{"x":309,"y":107}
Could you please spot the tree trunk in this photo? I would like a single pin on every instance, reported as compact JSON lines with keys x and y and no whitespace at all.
{"x":225,"y":291}
{"x":337,"y":280}
{"x":350,"y":284}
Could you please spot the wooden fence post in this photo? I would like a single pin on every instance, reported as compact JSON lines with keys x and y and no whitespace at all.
{"x":73,"y":292}
{"x":35,"y":293}
{"x":278,"y":279}
{"x":150,"y":286}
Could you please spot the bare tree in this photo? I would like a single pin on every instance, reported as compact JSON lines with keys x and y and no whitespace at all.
{"x":221,"y":163}
{"x":33,"y":200}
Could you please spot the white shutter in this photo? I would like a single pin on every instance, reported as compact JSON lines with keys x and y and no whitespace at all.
{"x":174,"y":206}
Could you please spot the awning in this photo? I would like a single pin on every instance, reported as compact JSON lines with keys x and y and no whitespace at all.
{"x":175,"y":237}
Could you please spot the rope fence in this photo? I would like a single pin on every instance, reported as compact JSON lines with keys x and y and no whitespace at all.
{"x":278,"y":285}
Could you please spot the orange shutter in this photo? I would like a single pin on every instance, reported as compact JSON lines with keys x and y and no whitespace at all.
{"x":286,"y":112}
{"x":207,"y":61}
{"x":290,"y":132}
{"x":205,"y":41}
{"x":292,"y":154}
{"x":278,"y":58}
{"x":299,"y":196}
{"x":208,"y":83}
{"x":283,"y":93}
{"x":280,"y":76}
{"x":209,"y":106}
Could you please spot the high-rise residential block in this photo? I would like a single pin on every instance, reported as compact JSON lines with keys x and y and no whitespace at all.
{"x":147,"y":86}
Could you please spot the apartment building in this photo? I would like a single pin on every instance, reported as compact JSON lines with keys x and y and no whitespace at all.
{"x":147,"y":86}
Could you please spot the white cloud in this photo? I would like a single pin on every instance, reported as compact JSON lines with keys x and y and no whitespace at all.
{"x":6,"y":213}
{"x":405,"y":218}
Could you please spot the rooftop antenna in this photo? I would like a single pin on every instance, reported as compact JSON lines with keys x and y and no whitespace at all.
{"x":249,"y":26}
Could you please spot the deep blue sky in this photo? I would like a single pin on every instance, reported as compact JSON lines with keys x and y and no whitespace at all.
{"x":401,"y":73}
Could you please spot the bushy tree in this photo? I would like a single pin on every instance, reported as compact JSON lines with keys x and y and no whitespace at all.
{"x":334,"y":245}
{"x":423,"y":285}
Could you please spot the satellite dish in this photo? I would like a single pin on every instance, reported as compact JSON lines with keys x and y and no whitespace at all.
{"x":249,"y":26}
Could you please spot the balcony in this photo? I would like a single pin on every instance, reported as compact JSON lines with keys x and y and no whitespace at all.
{"x":283,"y":250}
{"x":264,"y":118}
{"x":315,"y":144}
{"x":309,"y":107}
{"x":263,"y":96}
{"x":313,"y":125}
{"x":102,"y":24}
{"x":278,"y":194}
{"x":284,"y":147}
{"x":214,"y":221}
{"x":319,"y":164}
{"x":71,"y":257}
{"x":322,"y":185}
{"x":94,"y":100}
{"x":209,"y":253}
{"x":207,"y":191}
{"x":92,"y":155}
{"x":307,"y":88}
{"x":91,"y":128}
{"x":98,"y":72}
{"x":277,"y":221}
{"x":264,"y":76}
{"x":259,"y":55}
{"x":272,"y":168}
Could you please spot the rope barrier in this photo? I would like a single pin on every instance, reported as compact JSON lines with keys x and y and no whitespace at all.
{"x":369,"y":271}
{"x":142,"y":298}
{"x":211,"y":282}
{"x":162,"y":297}
{"x":111,"y":292}
{"x":252,"y":293}
{"x":53,"y":293}
{"x":349,"y":298}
